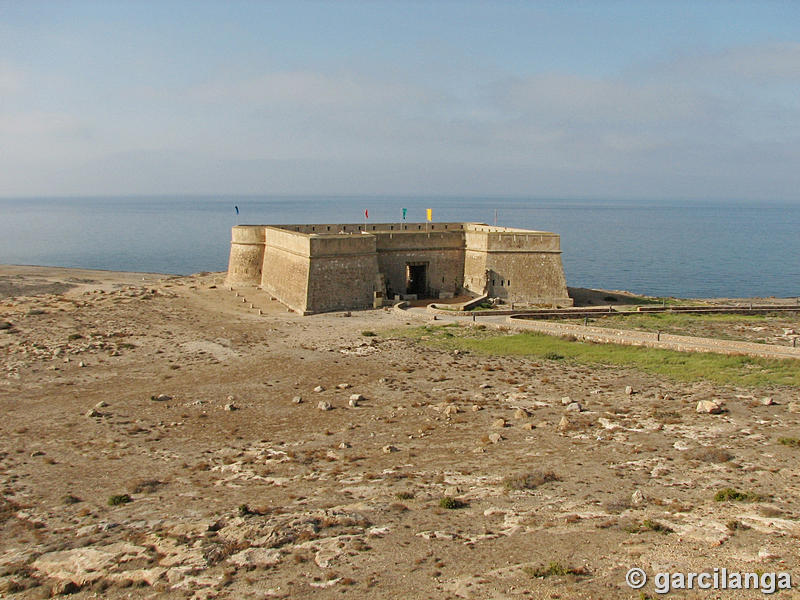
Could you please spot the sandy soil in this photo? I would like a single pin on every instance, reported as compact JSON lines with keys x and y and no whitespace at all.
{"x":177,"y":393}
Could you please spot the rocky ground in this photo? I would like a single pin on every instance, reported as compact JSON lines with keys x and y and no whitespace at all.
{"x":162,"y":439}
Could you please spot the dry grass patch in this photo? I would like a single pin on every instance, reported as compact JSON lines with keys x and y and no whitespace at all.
{"x":530,"y":480}
{"x":709,"y":454}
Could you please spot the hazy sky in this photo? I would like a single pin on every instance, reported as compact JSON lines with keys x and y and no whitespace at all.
{"x":589,"y":99}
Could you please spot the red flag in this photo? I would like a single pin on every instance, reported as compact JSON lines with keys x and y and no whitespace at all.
{"x":366,"y":213}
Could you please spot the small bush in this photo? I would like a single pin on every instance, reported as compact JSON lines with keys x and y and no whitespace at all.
{"x":368,"y":333}
{"x":404,"y":495}
{"x":70,"y":499}
{"x":708,"y":454}
{"x":451,"y":503}
{"x":734,"y":525}
{"x":74,"y":336}
{"x":529,"y":481}
{"x":554,"y":568}
{"x":610,"y":298}
{"x":118,"y":499}
{"x":553,"y":356}
{"x":787,"y":441}
{"x":732,"y":495}
{"x":144,"y":486}
{"x":651,"y":525}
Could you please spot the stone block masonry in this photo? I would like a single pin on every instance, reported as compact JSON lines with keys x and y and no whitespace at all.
{"x":324,"y":267}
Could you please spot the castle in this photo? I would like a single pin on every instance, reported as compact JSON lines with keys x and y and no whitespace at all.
{"x":320,"y":268}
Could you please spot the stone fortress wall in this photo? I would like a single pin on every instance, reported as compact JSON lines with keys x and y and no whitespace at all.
{"x":323,"y":267}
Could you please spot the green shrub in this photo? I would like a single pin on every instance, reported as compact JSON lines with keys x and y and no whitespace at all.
{"x":451,"y":503}
{"x":119,"y":499}
{"x":732,"y":495}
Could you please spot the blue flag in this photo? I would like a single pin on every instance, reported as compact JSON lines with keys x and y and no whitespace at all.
{"x":237,"y":209}
{"x":404,"y":213}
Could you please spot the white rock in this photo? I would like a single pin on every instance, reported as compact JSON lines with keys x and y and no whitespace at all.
{"x":256,"y":557}
{"x":638,"y":498}
{"x":628,"y":390}
{"x":608,"y":424}
{"x":566,"y":400}
{"x":319,"y":388}
{"x":230,"y":406}
{"x":574,"y":407}
{"x":767,"y":401}
{"x":388,"y":449}
{"x":297,"y":399}
{"x":495,"y":437}
{"x":324,"y":405}
{"x":709,"y":407}
{"x":343,"y":386}
{"x":765,"y":553}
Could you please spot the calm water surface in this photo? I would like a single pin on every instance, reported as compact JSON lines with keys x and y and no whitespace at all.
{"x":688,"y":249}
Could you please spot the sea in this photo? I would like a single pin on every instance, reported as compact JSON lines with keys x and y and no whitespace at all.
{"x":685,"y":248}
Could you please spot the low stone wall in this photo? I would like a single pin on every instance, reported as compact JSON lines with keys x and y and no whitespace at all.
{"x":683,"y":343}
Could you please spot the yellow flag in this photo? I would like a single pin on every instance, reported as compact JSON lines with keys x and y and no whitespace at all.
{"x":430,"y":214}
